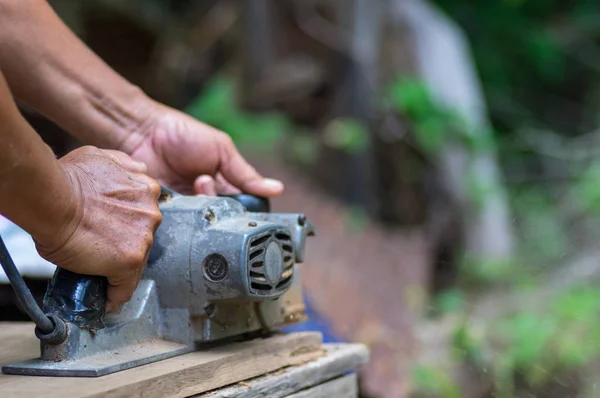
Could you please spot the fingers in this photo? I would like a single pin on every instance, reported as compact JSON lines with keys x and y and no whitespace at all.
{"x":223,"y":186}
{"x":151,"y":183}
{"x":120,"y":290}
{"x":134,"y":166}
{"x":126,"y":161}
{"x":207,"y":185}
{"x":238,"y":172}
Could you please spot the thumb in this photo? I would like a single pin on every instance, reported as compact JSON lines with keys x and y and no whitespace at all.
{"x":240,"y":174}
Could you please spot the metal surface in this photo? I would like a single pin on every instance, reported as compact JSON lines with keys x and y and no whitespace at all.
{"x":133,"y":336}
{"x":100,"y":364}
{"x":215,"y":271}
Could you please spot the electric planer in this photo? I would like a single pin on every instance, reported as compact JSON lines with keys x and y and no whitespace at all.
{"x":221,"y":268}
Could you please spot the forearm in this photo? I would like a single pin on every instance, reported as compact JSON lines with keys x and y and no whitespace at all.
{"x":50,"y":69}
{"x":34,"y":192}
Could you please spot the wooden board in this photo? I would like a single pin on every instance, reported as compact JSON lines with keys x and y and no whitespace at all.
{"x":342,"y":387}
{"x":338,"y":360}
{"x":176,"y":377}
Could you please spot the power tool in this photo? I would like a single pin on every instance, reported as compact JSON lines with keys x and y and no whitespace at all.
{"x":221,"y":268}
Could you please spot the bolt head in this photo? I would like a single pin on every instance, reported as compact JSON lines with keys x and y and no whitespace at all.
{"x":210,"y":310}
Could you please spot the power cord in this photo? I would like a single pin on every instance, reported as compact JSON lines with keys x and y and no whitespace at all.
{"x":48,"y":327}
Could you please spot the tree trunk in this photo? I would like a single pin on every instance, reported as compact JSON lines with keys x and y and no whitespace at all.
{"x":357,"y":95}
{"x":444,"y":63}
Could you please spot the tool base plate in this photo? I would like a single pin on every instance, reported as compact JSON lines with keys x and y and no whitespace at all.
{"x":100,"y":364}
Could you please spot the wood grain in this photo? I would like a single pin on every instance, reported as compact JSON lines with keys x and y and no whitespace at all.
{"x":181,"y":376}
{"x":339,"y":359}
{"x":342,"y":387}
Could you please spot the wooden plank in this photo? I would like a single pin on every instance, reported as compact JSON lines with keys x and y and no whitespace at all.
{"x":176,"y":377}
{"x":342,"y":387}
{"x":339,"y":359}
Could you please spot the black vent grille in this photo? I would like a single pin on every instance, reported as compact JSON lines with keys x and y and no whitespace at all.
{"x":257,"y":246}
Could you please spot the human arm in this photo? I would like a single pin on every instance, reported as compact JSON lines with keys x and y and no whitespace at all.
{"x":92,"y":211}
{"x":49,"y":68}
{"x":35,"y":192}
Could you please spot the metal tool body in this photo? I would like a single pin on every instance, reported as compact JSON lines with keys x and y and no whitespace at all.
{"x":215,"y":271}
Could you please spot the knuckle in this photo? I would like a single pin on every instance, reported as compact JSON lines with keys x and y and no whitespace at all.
{"x":91,"y":150}
{"x":88,"y":149}
{"x":157,"y":217}
{"x":152,"y":213}
{"x":148,"y":240}
{"x":147,"y":184}
{"x":154,"y":187}
{"x":127,"y":295}
{"x":133,"y":259}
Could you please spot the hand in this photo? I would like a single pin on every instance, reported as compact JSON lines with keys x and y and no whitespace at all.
{"x":192,"y":157}
{"x":114,"y":219}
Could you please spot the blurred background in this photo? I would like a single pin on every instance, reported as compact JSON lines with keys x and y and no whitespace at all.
{"x":447,"y":152}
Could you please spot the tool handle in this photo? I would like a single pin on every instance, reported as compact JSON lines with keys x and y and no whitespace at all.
{"x":77,"y":298}
{"x":254,"y":204}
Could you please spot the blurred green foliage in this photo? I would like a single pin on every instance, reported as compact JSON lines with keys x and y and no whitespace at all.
{"x":431,"y":380}
{"x":433,"y":125}
{"x":451,"y":300}
{"x":539,"y":63}
{"x":217,"y":106}
{"x":346,"y":134}
{"x":559,"y":338}
{"x":534,"y":344}
{"x":305,"y":147}
{"x":588,"y":188}
{"x":535,"y":57}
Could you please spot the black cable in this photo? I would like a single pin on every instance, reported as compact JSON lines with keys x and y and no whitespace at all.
{"x":23,"y":293}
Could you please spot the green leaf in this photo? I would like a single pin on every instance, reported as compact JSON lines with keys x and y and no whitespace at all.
{"x":346,"y":134}
{"x":452,"y":300}
{"x":216,"y":105}
{"x":530,"y":334}
{"x":466,"y":345}
{"x":435,"y":381}
{"x":588,"y":188}
{"x":410,"y":96}
{"x":431,"y":133}
{"x":581,"y":304}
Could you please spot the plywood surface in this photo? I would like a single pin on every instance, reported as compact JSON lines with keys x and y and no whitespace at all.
{"x":181,"y":376}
